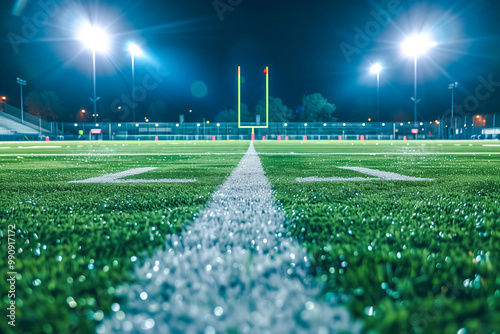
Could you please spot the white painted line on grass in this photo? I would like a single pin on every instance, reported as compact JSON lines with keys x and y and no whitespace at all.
{"x":491,"y":145}
{"x":380,"y":175}
{"x":232,"y":270}
{"x":117,"y":177}
{"x":333,"y":179}
{"x":385,"y":175}
{"x":39,"y":147}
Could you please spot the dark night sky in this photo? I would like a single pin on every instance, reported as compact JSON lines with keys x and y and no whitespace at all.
{"x":299,"y":40}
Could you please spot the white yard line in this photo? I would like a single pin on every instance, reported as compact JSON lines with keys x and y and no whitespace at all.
{"x":385,"y":175}
{"x":117,"y":177}
{"x":232,"y":269}
{"x":380,"y":175}
{"x":334,"y":179}
{"x":39,"y":147}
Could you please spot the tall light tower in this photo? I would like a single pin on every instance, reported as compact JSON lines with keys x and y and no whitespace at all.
{"x":376,"y":69}
{"x":22,"y":83}
{"x":134,"y":50}
{"x":95,"y":39}
{"x":416,"y":46}
{"x":452,"y":86}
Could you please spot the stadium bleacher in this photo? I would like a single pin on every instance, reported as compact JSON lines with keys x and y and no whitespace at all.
{"x":10,"y":126}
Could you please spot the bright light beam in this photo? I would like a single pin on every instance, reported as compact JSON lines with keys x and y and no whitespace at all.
{"x":94,"y":38}
{"x":134,"y":49}
{"x":417,"y":45}
{"x":375,"y":69}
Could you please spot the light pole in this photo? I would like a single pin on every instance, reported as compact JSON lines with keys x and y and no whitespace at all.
{"x":97,"y":40}
{"x":376,"y":69}
{"x":415,"y":46}
{"x":4,"y":98}
{"x":134,"y":50}
{"x":22,"y":83}
{"x":286,"y":125}
{"x":218,"y":125}
{"x":452,"y":87}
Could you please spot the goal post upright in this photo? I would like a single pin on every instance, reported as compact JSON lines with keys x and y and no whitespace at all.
{"x":266,"y":71}
{"x":239,"y":96}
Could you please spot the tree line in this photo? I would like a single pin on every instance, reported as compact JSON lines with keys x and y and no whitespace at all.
{"x":314,"y":108}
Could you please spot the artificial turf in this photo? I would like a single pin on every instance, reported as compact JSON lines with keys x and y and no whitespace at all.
{"x":77,"y":242}
{"x":414,"y":257}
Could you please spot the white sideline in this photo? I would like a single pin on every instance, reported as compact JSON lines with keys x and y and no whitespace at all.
{"x":117,"y":177}
{"x":232,"y":270}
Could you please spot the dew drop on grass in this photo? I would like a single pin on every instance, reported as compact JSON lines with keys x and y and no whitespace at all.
{"x":98,"y":316}
{"x":218,"y":311}
{"x":144,"y":295}
{"x":369,"y":311}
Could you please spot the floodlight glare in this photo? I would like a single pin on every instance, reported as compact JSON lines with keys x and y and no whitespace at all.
{"x":94,"y":38}
{"x":417,"y":45}
{"x":376,"y":68}
{"x":134,"y":49}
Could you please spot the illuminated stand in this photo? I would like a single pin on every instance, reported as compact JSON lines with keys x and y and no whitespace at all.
{"x":266,"y":71}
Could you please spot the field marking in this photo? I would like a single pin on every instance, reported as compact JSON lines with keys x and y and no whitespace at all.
{"x":217,"y":154}
{"x":491,"y":145}
{"x":232,"y":269}
{"x":39,"y":147}
{"x":380,"y":175}
{"x":117,"y":177}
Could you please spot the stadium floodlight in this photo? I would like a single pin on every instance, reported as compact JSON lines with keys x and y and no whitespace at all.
{"x":134,"y":50}
{"x":375,"y":69}
{"x":4,"y":98}
{"x":94,"y":38}
{"x":97,"y":40}
{"x":416,"y":46}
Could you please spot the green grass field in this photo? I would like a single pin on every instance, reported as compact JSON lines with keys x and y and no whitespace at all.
{"x":412,"y":257}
